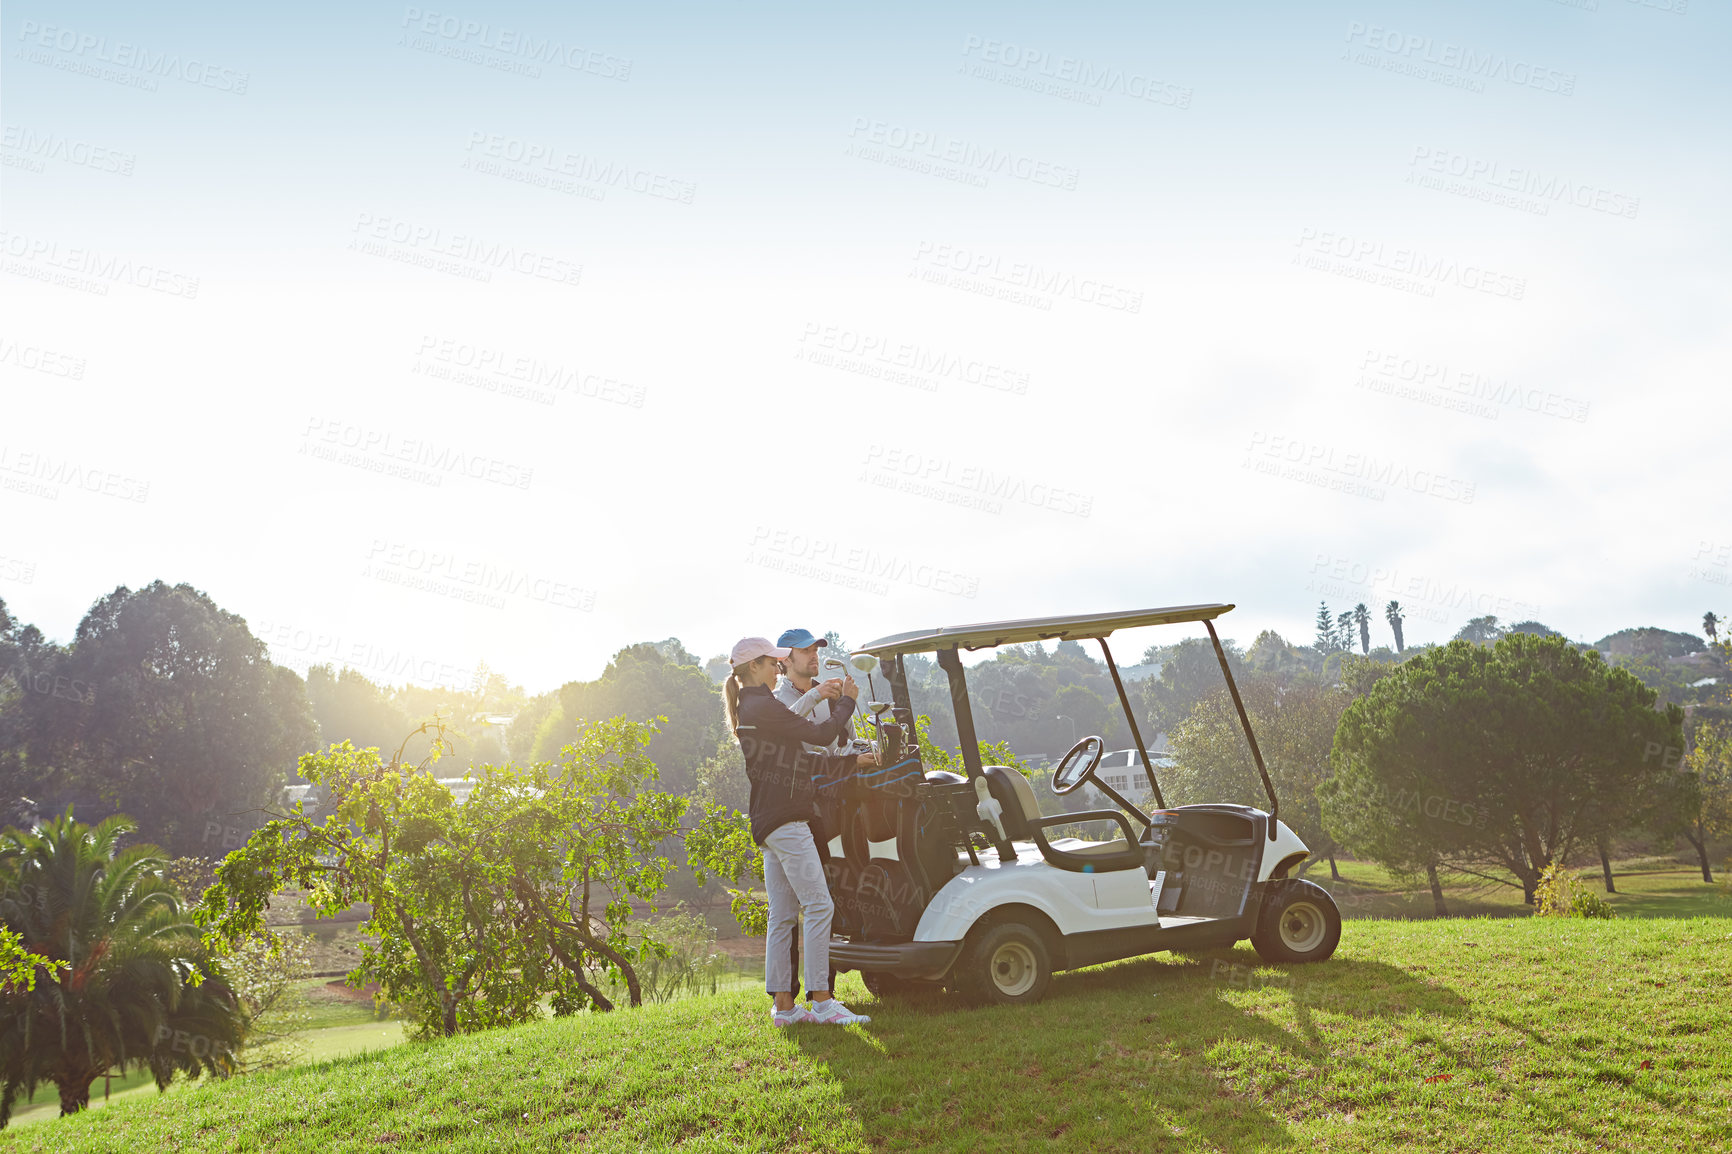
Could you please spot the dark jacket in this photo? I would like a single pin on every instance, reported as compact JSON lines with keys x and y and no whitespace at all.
{"x":783,"y":774}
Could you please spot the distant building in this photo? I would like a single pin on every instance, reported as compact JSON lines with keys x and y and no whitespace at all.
{"x":1122,"y":770}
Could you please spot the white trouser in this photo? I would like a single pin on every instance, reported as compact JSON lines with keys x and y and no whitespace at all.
{"x":794,"y":878}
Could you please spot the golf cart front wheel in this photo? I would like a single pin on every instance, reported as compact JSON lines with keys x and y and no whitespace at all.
{"x":1298,"y":922}
{"x":1007,"y":965}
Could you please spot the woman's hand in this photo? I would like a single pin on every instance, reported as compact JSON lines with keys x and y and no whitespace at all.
{"x":866,"y":761}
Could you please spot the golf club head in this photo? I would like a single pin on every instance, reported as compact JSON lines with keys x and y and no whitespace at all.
{"x":864,"y":662}
{"x":877,"y":708}
{"x":836,"y":663}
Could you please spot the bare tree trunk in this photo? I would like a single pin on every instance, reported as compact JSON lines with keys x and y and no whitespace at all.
{"x":1334,"y":874}
{"x":74,"y":1093}
{"x":1437,"y":906}
{"x":1606,"y":865}
{"x":1700,"y":844}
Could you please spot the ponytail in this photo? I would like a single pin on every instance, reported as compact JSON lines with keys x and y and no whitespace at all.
{"x":731,"y":699}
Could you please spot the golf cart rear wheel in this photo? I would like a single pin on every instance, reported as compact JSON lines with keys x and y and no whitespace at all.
{"x":1298,"y":922}
{"x":1007,"y":965}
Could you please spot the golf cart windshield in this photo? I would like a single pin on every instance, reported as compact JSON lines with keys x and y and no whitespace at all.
{"x":947,"y":643}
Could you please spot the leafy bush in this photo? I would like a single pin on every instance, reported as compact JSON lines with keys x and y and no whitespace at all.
{"x":264,"y":970}
{"x":481,"y":911}
{"x":1561,"y":894}
{"x":679,"y":956}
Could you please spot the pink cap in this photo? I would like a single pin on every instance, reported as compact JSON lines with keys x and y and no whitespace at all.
{"x":752,"y":648}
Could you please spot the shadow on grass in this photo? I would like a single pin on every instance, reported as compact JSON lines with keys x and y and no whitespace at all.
{"x":1154,"y":1053}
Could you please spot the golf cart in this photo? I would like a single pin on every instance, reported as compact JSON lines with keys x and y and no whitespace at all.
{"x":948,"y":879}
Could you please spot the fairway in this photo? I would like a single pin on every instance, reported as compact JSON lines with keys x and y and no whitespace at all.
{"x":1473,"y":1034}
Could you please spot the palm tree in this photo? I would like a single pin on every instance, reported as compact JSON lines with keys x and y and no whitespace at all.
{"x":138,"y":990}
{"x":1711,"y":626}
{"x":1392,"y":614}
{"x":1362,"y":618}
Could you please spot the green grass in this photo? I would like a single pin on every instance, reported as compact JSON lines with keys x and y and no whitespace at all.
{"x":1481,"y":1034}
{"x":321,"y":1044}
{"x":1646,"y":888}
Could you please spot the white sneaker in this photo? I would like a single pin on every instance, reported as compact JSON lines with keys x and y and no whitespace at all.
{"x":801,"y":1012}
{"x":834,"y":1013}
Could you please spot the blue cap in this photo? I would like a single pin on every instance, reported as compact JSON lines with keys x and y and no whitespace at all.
{"x":798,"y":639}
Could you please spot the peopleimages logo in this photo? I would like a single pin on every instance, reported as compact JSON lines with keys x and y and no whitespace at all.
{"x":469,"y":256}
{"x":506,"y":41}
{"x":826,"y":559}
{"x":1089,"y":77}
{"x":83,"y":47}
{"x":1359,"y":473}
{"x":41,"y":255}
{"x":41,"y":360}
{"x":386,"y":447}
{"x":45,"y":146}
{"x":923,"y":474}
{"x":1419,"y":267}
{"x":942,"y":148}
{"x":1522,"y":180}
{"x":1474,"y":63}
{"x":1466,"y":384}
{"x":988,"y":267}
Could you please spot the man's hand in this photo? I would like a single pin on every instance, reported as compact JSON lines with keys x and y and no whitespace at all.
{"x":851,"y":688}
{"x":866,"y":761}
{"x":829,"y":690}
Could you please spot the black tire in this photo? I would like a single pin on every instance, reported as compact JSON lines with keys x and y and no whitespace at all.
{"x":1298,"y":922}
{"x":1007,"y":965}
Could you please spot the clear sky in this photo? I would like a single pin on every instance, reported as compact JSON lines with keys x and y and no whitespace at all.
{"x":424,"y":335}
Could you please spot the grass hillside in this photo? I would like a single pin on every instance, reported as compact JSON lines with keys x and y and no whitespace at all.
{"x":1477,"y":1034}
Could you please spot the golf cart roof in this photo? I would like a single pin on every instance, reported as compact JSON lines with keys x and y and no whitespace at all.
{"x":1074,"y":626}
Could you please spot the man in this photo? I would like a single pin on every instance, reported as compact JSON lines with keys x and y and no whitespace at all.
{"x":799,"y":688}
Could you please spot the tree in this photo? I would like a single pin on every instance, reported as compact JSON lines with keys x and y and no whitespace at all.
{"x":1480,"y":631}
{"x":18,"y":965}
{"x":1672,"y":682}
{"x":1711,"y":626}
{"x":136,"y":989}
{"x":1362,"y":618}
{"x":1344,"y":632}
{"x":1512,"y":755}
{"x":348,"y":707}
{"x":1295,"y":728}
{"x":1648,"y":641}
{"x":1271,"y":656}
{"x":479,"y":911}
{"x":1534,"y":627}
{"x":641,"y":681}
{"x":29,"y":680}
{"x":1392,"y":614}
{"x":1325,"y":643}
{"x":1710,"y":759}
{"x":181,"y":720}
{"x":1086,"y":710}
{"x":1193,"y":673}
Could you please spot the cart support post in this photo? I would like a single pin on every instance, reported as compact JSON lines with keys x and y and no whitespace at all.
{"x":1136,"y":733}
{"x":962,"y":709}
{"x":1245,"y":722}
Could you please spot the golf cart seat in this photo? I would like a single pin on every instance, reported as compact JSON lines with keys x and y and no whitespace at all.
{"x":1023,"y":821}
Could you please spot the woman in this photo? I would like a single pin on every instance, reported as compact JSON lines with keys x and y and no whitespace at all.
{"x":783,"y":804}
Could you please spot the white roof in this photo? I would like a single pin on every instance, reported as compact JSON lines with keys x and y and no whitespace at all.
{"x":1070,"y":628}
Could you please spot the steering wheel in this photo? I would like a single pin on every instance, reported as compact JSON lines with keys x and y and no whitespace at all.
{"x":1078,"y":765}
